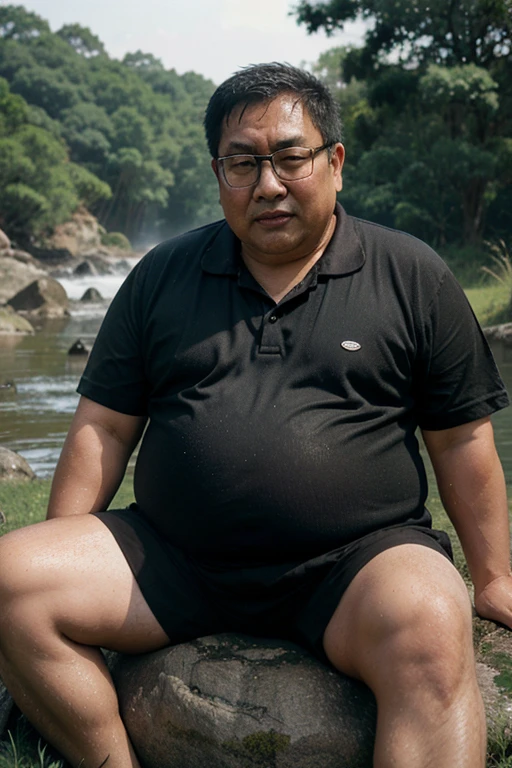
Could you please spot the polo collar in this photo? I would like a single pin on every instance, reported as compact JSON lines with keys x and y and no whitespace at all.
{"x":344,"y":253}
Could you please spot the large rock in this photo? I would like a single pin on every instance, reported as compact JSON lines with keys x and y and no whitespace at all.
{"x":11,"y":322}
{"x":16,"y":275}
{"x":501,"y":333}
{"x":231,"y":701}
{"x":44,"y":297}
{"x":13,"y":466}
{"x":17,"y":255}
{"x":80,"y":235}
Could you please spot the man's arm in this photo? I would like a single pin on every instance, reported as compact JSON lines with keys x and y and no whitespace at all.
{"x":472,"y":488}
{"x":93,"y":460}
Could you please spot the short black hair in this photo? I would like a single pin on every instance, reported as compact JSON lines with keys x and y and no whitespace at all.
{"x":264,"y":82}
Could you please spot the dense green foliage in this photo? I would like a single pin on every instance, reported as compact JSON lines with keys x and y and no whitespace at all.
{"x":426,"y":101}
{"x":123,"y":138}
{"x":427,"y":104}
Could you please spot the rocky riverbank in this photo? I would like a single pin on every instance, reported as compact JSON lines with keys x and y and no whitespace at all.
{"x":29,"y":278}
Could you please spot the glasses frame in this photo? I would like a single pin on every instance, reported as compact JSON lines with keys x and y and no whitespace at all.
{"x":313,"y":152}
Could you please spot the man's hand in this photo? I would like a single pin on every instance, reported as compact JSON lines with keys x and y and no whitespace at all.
{"x":494,"y":602}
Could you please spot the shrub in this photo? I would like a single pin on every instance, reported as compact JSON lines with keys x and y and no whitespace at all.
{"x":116,"y":240}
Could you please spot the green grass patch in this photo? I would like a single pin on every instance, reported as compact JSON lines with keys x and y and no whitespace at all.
{"x":490,"y":303}
{"x":25,"y":502}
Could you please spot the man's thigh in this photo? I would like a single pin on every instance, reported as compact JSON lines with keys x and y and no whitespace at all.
{"x":71,"y":572}
{"x":408,"y":597}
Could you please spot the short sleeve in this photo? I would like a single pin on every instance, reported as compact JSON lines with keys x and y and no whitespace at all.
{"x":456,"y":378}
{"x":115,"y":372}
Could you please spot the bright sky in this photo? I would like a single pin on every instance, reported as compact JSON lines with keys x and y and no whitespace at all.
{"x":211,"y":37}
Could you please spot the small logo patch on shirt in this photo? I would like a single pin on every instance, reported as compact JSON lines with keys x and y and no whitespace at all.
{"x":351,"y":346}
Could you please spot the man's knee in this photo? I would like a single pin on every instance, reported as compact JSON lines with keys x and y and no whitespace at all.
{"x":431,"y":648}
{"x":405,"y":628}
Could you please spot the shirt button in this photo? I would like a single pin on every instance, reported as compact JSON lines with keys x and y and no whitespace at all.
{"x":272,"y":319}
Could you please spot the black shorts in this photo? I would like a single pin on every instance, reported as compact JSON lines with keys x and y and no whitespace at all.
{"x":290,"y":601}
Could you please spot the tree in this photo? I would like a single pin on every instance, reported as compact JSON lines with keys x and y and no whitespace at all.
{"x":13,"y":110}
{"x":437,"y":31}
{"x":40,"y":187}
{"x":135,"y":126}
{"x":443,"y":100}
{"x":131,"y":129}
{"x":46,"y":88}
{"x":82,"y":40}
{"x":18,"y":24}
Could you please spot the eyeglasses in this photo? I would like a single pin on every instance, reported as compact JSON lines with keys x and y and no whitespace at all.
{"x":289,"y":164}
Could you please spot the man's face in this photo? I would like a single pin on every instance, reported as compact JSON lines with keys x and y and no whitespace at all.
{"x":278,"y":221}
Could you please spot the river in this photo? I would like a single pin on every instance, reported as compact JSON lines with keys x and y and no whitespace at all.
{"x":34,"y":419}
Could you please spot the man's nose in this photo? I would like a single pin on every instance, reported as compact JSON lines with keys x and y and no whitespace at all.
{"x":269,"y":184}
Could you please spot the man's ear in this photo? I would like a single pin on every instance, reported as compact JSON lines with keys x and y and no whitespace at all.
{"x":337,"y":160}
{"x":215,"y":168}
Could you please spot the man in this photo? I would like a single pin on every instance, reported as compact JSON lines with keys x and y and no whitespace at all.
{"x":281,"y":362}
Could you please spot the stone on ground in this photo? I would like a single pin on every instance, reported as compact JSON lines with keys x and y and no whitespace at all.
{"x":232,"y":701}
{"x":13,"y":466}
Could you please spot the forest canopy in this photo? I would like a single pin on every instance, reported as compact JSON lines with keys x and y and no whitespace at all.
{"x":426,"y":103}
{"x":124,"y":138}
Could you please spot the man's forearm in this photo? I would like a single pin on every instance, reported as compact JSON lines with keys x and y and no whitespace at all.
{"x":472,"y":487}
{"x":85,"y":479}
{"x":93,"y":460}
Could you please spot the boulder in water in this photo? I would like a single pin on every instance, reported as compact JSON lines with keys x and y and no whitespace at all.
{"x":16,"y":275}
{"x":12,"y":322}
{"x":92,"y":295}
{"x":44,"y":297}
{"x":79,"y":349}
{"x":85,"y":269}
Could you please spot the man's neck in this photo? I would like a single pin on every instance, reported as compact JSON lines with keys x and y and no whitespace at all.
{"x":278,"y":279}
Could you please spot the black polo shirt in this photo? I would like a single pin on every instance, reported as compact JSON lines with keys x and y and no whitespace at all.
{"x":283,"y":431}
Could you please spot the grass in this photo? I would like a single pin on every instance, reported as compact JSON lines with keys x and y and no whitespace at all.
{"x":486,"y":277}
{"x":490,"y":303}
{"x":24,"y":749}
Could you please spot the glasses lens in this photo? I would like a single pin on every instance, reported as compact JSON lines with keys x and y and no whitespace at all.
{"x":293,"y":163}
{"x":240,"y":170}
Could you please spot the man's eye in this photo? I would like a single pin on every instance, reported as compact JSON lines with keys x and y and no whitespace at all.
{"x":293,"y":158}
{"x":244,"y":163}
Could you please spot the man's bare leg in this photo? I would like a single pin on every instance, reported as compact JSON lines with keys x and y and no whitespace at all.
{"x":65,"y":590}
{"x":404,"y":628}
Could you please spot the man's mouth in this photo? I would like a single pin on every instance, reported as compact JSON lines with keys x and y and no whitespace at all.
{"x":274,"y":218}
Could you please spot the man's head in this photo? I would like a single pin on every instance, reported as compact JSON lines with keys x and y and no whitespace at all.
{"x":262,"y":83}
{"x":281,"y":205}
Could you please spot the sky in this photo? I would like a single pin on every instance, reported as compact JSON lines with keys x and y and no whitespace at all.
{"x":212,"y":37}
